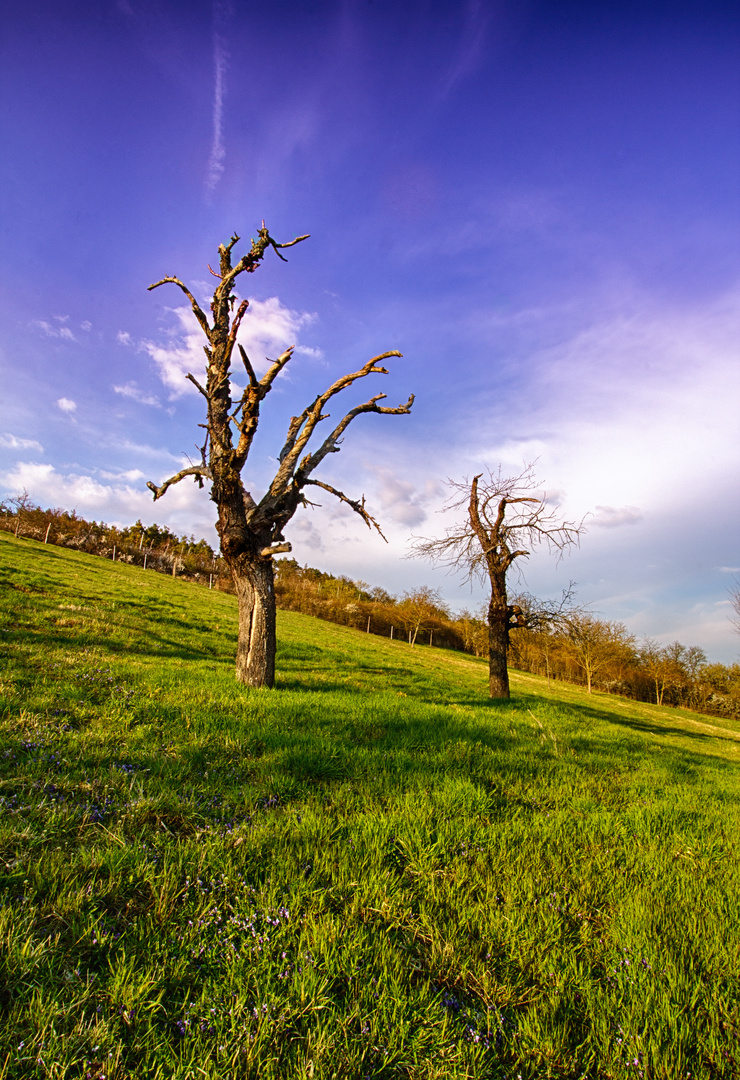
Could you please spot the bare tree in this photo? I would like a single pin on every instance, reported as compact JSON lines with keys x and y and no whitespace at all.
{"x":486,"y":543}
{"x":595,"y":644}
{"x":251,"y":531}
{"x":420,"y":609}
{"x":658,"y":665}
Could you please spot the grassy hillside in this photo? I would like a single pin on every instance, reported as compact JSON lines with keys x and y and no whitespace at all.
{"x":371,"y":871}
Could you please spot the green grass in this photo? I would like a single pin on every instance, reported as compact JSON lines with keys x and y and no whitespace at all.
{"x":371,"y":871}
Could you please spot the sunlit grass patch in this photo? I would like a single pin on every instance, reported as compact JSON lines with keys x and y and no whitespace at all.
{"x":371,"y":871}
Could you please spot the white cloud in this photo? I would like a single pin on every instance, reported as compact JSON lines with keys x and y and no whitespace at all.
{"x":123,"y":337}
{"x":401,"y":500}
{"x":184,"y":509}
{"x":635,"y":410}
{"x":131,"y":390}
{"x":611,"y":517}
{"x":308,"y":350}
{"x":267,"y":329}
{"x":14,"y":442}
{"x":53,"y":331}
{"x":67,"y":405}
{"x":131,"y":475}
{"x":86,"y":326}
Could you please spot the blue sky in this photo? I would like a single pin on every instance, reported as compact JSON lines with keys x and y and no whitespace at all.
{"x":537,"y":203}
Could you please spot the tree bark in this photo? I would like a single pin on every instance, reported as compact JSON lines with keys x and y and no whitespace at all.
{"x":255,"y":591}
{"x":498,"y":646}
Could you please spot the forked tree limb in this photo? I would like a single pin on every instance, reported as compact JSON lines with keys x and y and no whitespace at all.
{"x":274,"y":370}
{"x":331,"y":443}
{"x":358,"y":507}
{"x":302,"y":427}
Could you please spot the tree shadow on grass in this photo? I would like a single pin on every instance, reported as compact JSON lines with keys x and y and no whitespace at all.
{"x":644,"y":726}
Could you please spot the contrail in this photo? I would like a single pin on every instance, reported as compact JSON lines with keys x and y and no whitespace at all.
{"x":222,"y":11}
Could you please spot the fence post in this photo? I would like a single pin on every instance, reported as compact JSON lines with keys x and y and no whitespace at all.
{"x":146,"y":553}
{"x":391,"y":631}
{"x":114,"y":553}
{"x":48,"y":527}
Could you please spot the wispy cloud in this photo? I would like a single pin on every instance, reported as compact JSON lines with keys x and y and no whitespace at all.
{"x":123,"y":337}
{"x":469,"y":51}
{"x":66,"y":405}
{"x":48,"y":330}
{"x":222,"y":13}
{"x":611,"y":517}
{"x":140,"y":450}
{"x":131,"y":390}
{"x":15,"y":442}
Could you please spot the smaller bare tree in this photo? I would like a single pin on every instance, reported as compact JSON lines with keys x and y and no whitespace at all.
{"x":504,"y":518}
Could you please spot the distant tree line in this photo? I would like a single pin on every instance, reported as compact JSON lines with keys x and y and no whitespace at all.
{"x":150,"y":546}
{"x":605,"y":656}
{"x":582,"y":649}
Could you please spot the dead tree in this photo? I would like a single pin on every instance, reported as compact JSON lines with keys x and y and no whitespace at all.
{"x":251,"y":531}
{"x":485,"y":545}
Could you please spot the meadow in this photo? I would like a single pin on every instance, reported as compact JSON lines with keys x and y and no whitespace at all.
{"x":372,"y":871}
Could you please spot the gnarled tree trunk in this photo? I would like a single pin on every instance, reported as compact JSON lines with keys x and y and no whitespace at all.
{"x":255,"y":651}
{"x":498,"y":647}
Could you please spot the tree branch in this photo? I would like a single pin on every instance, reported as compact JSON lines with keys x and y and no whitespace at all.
{"x":249,"y":262}
{"x":290,"y":243}
{"x":197,"y":310}
{"x":274,"y":370}
{"x":275,"y":549}
{"x":330,"y":444}
{"x":198,"y":471}
{"x":237,"y":321}
{"x":195,"y":382}
{"x":358,"y":507}
{"x":302,"y":427}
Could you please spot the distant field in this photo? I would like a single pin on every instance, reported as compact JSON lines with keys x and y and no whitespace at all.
{"x":371,"y":871}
